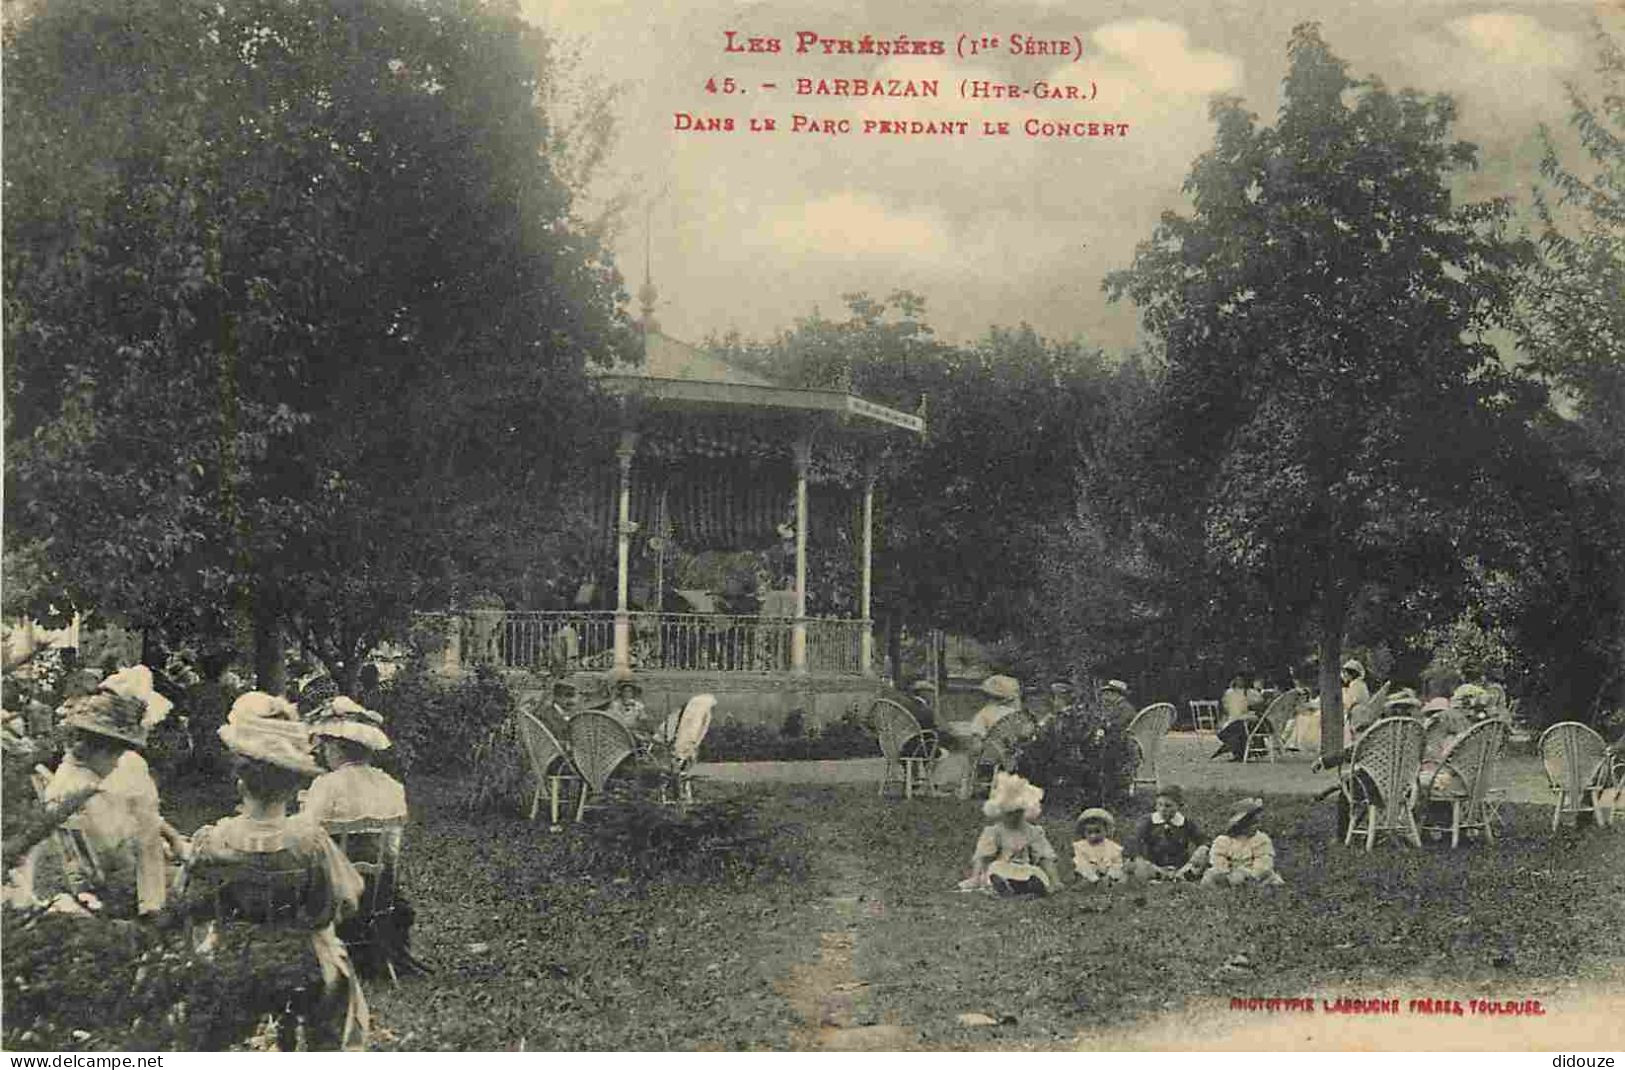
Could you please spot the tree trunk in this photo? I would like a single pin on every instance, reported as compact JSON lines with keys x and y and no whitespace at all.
{"x":270,"y":651}
{"x":1333,"y":612}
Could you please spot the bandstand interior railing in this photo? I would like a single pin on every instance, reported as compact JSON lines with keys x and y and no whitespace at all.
{"x":695,"y":642}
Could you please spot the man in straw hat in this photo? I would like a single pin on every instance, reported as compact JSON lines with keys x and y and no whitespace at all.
{"x":1013,"y":856}
{"x":1244,"y":854}
{"x":1115,"y":701}
{"x":261,"y":876}
{"x":120,"y":819}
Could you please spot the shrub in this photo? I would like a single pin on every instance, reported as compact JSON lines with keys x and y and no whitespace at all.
{"x":845,"y":738}
{"x":709,"y":843}
{"x":452,"y":725}
{"x":74,"y":984}
{"x":1080,"y":759}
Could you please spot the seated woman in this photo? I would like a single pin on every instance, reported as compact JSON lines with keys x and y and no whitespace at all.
{"x":263,"y":884}
{"x":1237,"y":722}
{"x":122,"y":827}
{"x":1468,"y":705}
{"x":346,"y":736}
{"x":1013,"y":856}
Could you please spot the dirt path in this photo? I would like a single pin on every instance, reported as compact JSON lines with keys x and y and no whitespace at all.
{"x":837,"y":1006}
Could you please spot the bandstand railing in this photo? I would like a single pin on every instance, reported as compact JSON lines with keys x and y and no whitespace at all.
{"x":684,"y":642}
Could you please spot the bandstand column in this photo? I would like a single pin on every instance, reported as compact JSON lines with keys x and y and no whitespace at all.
{"x":623,"y":552}
{"x":802,"y":453}
{"x":866,"y":642}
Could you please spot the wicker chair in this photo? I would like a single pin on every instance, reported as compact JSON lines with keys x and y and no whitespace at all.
{"x":1576,"y":761}
{"x":1147,"y":730}
{"x":598,"y":745}
{"x":999,"y":749}
{"x":1264,"y":733}
{"x":910,"y":751}
{"x":678,"y":749}
{"x":1205,"y":715}
{"x":1378,"y":780}
{"x":1463,"y":777}
{"x":549,"y":763}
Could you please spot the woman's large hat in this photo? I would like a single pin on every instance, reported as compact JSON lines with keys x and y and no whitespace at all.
{"x":1404,"y":697}
{"x":267,"y":729}
{"x":345,"y":718}
{"x":1005,"y":688}
{"x":622,"y":677}
{"x":1243,"y":810}
{"x":1470,"y":697}
{"x":1115,"y":685}
{"x":136,"y":682}
{"x":1353,"y":665}
{"x":123,"y":707}
{"x":1013,"y":792}
{"x":104,"y":713}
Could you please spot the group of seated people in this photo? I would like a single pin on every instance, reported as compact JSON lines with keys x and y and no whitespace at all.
{"x":271,"y":871}
{"x":1013,"y":856}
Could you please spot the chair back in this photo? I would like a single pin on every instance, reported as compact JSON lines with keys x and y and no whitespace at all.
{"x":374,"y":849}
{"x":541,"y":745}
{"x":1474,"y":757}
{"x":265,"y":889}
{"x":1390,"y":753}
{"x":1009,"y":731}
{"x":598,"y":744}
{"x":1147,"y":730}
{"x":80,"y":867}
{"x":692,"y":725}
{"x":1281,"y":709}
{"x":1572,"y":753}
{"x":895,"y":726}
{"x":1204,"y":713}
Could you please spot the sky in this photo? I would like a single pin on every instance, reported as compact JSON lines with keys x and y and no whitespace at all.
{"x":749,"y":231}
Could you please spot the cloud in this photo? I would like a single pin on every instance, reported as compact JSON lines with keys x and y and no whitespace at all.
{"x":1516,"y":41}
{"x":849,"y":223}
{"x":1158,"y":56}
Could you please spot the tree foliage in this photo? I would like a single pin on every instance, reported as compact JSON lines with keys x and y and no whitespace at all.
{"x":1331,"y":407}
{"x":297,"y":306}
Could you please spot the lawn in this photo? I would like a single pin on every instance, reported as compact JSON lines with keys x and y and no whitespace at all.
{"x":536,"y":942}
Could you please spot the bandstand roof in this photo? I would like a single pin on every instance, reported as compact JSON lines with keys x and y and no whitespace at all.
{"x":677,"y":375}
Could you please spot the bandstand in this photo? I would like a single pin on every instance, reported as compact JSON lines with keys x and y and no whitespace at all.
{"x":714,"y":459}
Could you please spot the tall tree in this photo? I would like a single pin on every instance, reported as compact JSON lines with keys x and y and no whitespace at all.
{"x":1572,"y":594}
{"x":1330,"y":404}
{"x":296,"y":304}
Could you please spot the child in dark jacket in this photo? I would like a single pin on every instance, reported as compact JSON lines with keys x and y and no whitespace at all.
{"x":1167,"y":845}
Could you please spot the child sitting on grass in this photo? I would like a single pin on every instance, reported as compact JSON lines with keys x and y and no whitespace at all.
{"x":1167,"y":845}
{"x":1013,"y":856}
{"x":1244,"y":854}
{"x":1095,"y":857}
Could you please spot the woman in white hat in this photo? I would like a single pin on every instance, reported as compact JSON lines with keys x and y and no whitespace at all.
{"x":120,"y":819}
{"x":347,"y":736}
{"x":1013,"y":856}
{"x":1355,"y":690}
{"x":260,"y":876}
{"x":1005,"y":695}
